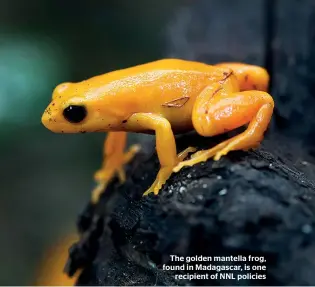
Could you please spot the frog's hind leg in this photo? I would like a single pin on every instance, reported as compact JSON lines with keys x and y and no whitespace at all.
{"x":113,"y":162}
{"x":225,"y":112}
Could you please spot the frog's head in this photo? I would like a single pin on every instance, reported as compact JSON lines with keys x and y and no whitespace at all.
{"x":74,"y":109}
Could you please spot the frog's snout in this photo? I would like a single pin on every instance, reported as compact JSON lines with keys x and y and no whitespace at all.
{"x":49,"y":119}
{"x":55,"y":122}
{"x":46,"y":119}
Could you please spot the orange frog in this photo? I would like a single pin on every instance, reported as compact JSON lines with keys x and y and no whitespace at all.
{"x":167,"y":97}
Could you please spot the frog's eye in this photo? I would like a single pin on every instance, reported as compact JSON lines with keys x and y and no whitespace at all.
{"x":75,"y":114}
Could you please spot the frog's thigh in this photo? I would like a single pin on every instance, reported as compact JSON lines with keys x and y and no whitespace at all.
{"x":165,"y":141}
{"x":222,"y":114}
{"x":226,"y":113}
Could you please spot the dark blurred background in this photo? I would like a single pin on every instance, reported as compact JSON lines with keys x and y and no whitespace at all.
{"x":46,"y":178}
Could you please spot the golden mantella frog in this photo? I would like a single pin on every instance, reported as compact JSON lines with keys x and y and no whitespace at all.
{"x":166,"y":97}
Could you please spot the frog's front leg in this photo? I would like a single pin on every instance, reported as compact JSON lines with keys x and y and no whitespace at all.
{"x":220,"y":110}
{"x":113,"y":162}
{"x":165,"y":146}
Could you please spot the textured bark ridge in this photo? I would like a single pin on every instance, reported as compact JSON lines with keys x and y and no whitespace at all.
{"x":248,"y":203}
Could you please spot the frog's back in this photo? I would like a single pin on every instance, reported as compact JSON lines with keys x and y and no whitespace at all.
{"x":157,"y":67}
{"x":175,"y":64}
{"x":167,"y":87}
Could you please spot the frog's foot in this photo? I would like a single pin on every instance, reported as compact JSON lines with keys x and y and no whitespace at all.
{"x":201,"y":156}
{"x":218,"y":151}
{"x":112,"y":166}
{"x":166,"y":171}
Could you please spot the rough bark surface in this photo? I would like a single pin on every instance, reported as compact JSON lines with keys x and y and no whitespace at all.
{"x":248,"y":203}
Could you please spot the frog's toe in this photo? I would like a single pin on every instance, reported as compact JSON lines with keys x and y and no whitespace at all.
{"x":98,"y":190}
{"x":103,"y":174}
{"x":219,"y":154}
{"x":121,"y":175}
{"x":200,"y":156}
{"x":133,"y":150}
{"x":149,"y":190}
{"x":162,"y":176}
{"x":182,"y":155}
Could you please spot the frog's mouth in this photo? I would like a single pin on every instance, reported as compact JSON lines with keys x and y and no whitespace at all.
{"x":52,"y":123}
{"x":49,"y":122}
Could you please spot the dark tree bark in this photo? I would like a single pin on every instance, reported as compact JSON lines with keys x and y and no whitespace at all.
{"x":292,"y":49}
{"x":248,"y":203}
